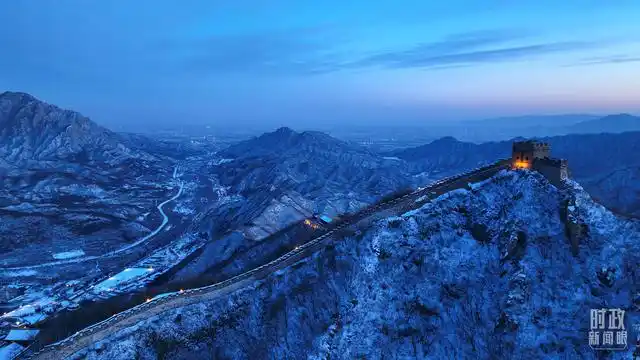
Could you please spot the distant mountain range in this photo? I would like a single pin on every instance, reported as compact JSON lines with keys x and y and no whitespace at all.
{"x":541,"y":126}
{"x":604,"y":163}
{"x":393,"y":136}
{"x":609,"y":124}
{"x":530,"y":121}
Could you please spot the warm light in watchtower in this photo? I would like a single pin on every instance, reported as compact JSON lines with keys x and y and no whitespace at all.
{"x":521,"y":164}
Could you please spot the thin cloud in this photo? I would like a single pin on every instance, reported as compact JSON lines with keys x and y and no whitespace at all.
{"x":419,"y":58}
{"x":311,"y":51}
{"x":452,"y":44}
{"x":613,"y":59}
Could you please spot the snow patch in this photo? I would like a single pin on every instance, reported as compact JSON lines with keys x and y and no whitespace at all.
{"x":18,"y":273}
{"x":68,"y":254}
{"x":122,"y":277}
{"x":183,"y":209}
{"x":23,"y":207}
{"x":220,"y":161}
{"x":411,"y":213}
{"x":84,"y":190}
{"x":22,"y":334}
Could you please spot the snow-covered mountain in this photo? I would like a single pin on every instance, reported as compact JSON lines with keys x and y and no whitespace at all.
{"x":301,"y":173}
{"x":269,"y":183}
{"x":483,"y":273}
{"x":609,"y":124}
{"x":68,"y":185}
{"x":33,"y":131}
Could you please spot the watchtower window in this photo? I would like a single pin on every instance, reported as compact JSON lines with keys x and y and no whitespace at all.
{"x":526,"y":158}
{"x":517,"y":157}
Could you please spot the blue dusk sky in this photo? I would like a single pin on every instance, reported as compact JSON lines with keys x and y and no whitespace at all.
{"x":299,"y":63}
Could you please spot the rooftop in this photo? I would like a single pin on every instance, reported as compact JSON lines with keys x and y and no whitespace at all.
{"x":325,"y":218}
{"x":22,"y":335}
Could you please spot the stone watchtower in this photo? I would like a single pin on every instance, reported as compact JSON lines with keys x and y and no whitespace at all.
{"x":536,"y":156}
{"x":525,"y":152}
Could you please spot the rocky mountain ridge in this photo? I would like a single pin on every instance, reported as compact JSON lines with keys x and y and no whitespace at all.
{"x":271,"y":182}
{"x":33,"y":131}
{"x":319,"y":173}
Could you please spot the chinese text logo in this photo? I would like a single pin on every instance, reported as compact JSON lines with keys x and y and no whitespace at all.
{"x":607,"y":330}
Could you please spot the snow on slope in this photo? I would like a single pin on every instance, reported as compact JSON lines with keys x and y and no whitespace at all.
{"x":284,"y":176}
{"x":33,"y":130}
{"x":484,"y":273}
{"x":68,"y":254}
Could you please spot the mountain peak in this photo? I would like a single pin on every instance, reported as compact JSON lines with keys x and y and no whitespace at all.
{"x":283,"y":134}
{"x":284,"y":140}
{"x":33,"y":130}
{"x":446,"y":140}
{"x":620,"y":116}
{"x":285,"y":130}
{"x":18,"y":97}
{"x":16,"y":94}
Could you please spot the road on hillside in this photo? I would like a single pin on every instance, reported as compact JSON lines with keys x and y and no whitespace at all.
{"x":159,"y":228}
{"x":133,"y":316}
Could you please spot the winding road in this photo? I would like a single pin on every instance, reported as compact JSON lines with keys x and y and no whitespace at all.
{"x":165,"y":220}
